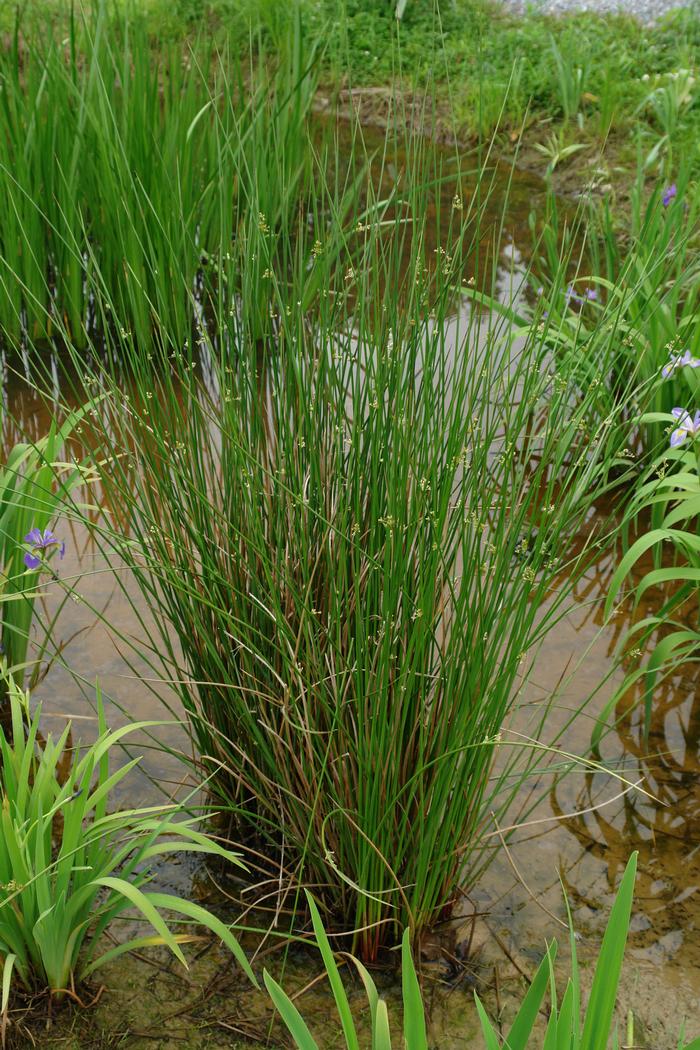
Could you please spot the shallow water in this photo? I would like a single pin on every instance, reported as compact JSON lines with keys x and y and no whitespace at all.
{"x":587,"y":852}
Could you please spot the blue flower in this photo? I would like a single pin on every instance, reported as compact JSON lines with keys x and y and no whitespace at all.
{"x":591,"y":295}
{"x":687,"y":426}
{"x":42,"y":542}
{"x":679,"y":361}
{"x":668,"y":194}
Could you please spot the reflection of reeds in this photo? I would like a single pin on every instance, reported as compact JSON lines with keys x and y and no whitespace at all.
{"x":662,"y":823}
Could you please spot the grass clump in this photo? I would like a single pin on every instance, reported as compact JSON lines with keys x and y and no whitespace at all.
{"x":121,"y":176}
{"x":579,"y":79}
{"x":355,"y":513}
{"x":354,"y":502}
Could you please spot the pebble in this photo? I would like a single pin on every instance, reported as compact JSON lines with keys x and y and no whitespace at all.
{"x":647,"y":11}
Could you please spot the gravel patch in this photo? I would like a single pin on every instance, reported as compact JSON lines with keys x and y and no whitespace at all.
{"x":647,"y":11}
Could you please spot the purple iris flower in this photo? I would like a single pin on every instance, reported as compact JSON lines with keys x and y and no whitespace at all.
{"x":571,"y":297}
{"x":668,"y":194}
{"x":688,"y":426}
{"x":39,"y":542}
{"x":680,"y":361}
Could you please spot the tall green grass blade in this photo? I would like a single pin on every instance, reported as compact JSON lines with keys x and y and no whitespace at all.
{"x":295,"y":1023}
{"x":334,"y":978}
{"x":601,"y":1003}
{"x":414,"y":1032}
{"x":8,"y":965}
{"x":524,"y":1020}
{"x":489,"y":1032}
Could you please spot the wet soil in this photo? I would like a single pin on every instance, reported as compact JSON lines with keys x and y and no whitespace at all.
{"x":599,"y":170}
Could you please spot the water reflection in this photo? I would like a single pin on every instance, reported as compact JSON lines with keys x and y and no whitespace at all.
{"x":98,"y":626}
{"x":588,"y":851}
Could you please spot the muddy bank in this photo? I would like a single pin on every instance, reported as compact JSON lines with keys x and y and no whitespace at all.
{"x":599,"y":170}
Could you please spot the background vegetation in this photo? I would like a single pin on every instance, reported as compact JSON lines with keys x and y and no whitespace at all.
{"x":605,"y":84}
